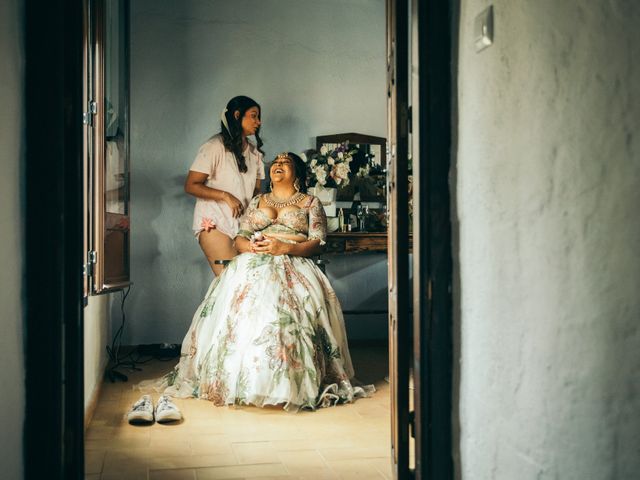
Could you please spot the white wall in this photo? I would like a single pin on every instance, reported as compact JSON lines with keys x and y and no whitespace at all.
{"x":548,"y":197}
{"x":315,"y":67}
{"x":12,"y":399}
{"x":96,"y":337}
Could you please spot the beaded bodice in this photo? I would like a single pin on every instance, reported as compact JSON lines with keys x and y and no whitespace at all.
{"x":309,"y":220}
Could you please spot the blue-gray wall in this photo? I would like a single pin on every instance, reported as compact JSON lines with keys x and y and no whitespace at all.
{"x":315,"y":67}
{"x":12,"y":399}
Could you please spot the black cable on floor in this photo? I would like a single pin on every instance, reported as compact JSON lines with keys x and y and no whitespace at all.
{"x":134,"y":358}
{"x":113,"y":351}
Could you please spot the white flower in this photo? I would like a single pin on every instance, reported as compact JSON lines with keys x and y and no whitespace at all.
{"x":313,"y":162}
{"x":363,"y":171}
{"x":303,"y":157}
{"x":342,"y":170}
{"x":331,"y":161}
{"x":323,"y":150}
{"x":340,"y":155}
{"x":321,"y":176}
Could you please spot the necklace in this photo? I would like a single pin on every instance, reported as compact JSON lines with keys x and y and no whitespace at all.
{"x":273,"y":201}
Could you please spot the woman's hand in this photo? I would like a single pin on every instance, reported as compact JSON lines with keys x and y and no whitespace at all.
{"x":195,"y":185}
{"x":271,"y":246}
{"x":234,"y":204}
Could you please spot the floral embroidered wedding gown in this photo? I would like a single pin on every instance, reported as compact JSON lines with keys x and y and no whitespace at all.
{"x":270,"y":329}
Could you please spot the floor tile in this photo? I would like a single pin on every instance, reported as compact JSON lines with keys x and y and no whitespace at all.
{"x":255,"y":452}
{"x":352,"y":469}
{"x":133,"y":474}
{"x":348,"y":441}
{"x":193,"y":461}
{"x":383,"y":465}
{"x":180,"y":474}
{"x":304,"y":463}
{"x":353,"y":453}
{"x":211,"y":445}
{"x":241,"y":471}
{"x":93,"y":460}
{"x":279,"y":477}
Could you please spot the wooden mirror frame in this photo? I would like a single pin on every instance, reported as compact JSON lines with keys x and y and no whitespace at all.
{"x":356,"y":138}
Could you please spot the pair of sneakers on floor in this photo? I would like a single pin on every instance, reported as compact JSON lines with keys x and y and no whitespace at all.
{"x":143,"y":412}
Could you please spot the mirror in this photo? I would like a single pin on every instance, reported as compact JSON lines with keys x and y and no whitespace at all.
{"x":116,"y":132}
{"x":368,"y":167}
{"x":367,"y":181}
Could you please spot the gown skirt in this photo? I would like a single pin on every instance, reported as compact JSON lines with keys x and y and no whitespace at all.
{"x":269,"y":331}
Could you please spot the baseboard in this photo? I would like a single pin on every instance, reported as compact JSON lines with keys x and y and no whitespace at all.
{"x":90,"y":409}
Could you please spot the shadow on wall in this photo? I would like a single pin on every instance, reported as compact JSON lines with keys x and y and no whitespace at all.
{"x":188,"y":59}
{"x":184,"y":202}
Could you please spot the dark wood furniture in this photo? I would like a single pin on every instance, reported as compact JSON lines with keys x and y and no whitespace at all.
{"x":358,"y":242}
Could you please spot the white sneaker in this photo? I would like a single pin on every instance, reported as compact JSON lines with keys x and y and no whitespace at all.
{"x":166,"y":410}
{"x":141,"y":411}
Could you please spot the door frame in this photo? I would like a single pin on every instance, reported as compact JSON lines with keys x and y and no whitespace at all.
{"x":435,"y":23}
{"x":400,"y":354}
{"x":53,"y":436}
{"x":428,"y":73}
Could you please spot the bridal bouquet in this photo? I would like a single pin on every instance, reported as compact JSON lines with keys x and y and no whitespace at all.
{"x":329,"y":168}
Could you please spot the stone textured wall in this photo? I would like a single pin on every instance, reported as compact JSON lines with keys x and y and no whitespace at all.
{"x":12,"y":399}
{"x":548,"y":194}
{"x":315,"y":67}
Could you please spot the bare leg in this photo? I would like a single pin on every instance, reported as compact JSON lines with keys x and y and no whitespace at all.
{"x":216,"y":246}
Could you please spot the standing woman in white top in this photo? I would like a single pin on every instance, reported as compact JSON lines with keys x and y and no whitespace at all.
{"x":224,"y":176}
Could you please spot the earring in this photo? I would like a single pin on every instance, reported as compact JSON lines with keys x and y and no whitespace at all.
{"x":271,"y":185}
{"x":296,"y":184}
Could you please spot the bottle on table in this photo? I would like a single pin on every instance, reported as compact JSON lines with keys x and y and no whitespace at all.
{"x":354,"y":211}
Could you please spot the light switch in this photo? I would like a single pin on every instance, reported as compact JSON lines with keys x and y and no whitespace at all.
{"x":483,"y":29}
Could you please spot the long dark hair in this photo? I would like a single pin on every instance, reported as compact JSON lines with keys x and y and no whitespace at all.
{"x":232,"y":137}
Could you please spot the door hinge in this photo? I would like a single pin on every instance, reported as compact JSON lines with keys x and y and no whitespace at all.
{"x":87,"y":117}
{"x":92,"y":257}
{"x":412,"y":424}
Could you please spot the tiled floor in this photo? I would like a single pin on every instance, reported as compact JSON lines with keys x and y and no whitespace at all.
{"x":345,"y":442}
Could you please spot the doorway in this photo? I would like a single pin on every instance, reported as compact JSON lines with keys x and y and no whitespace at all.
{"x":73,"y":329}
{"x":157,"y":172}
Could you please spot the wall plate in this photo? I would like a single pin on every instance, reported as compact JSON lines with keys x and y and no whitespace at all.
{"x":483,"y":29}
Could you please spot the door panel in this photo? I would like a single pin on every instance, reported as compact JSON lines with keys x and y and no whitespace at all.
{"x":398,"y":238}
{"x":107,"y":146}
{"x":432,"y":251}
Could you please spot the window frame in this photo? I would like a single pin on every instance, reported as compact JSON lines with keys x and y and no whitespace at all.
{"x":97,"y":279}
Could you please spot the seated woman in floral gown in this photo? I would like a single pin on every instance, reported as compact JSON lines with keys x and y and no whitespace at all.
{"x":270,"y":330}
